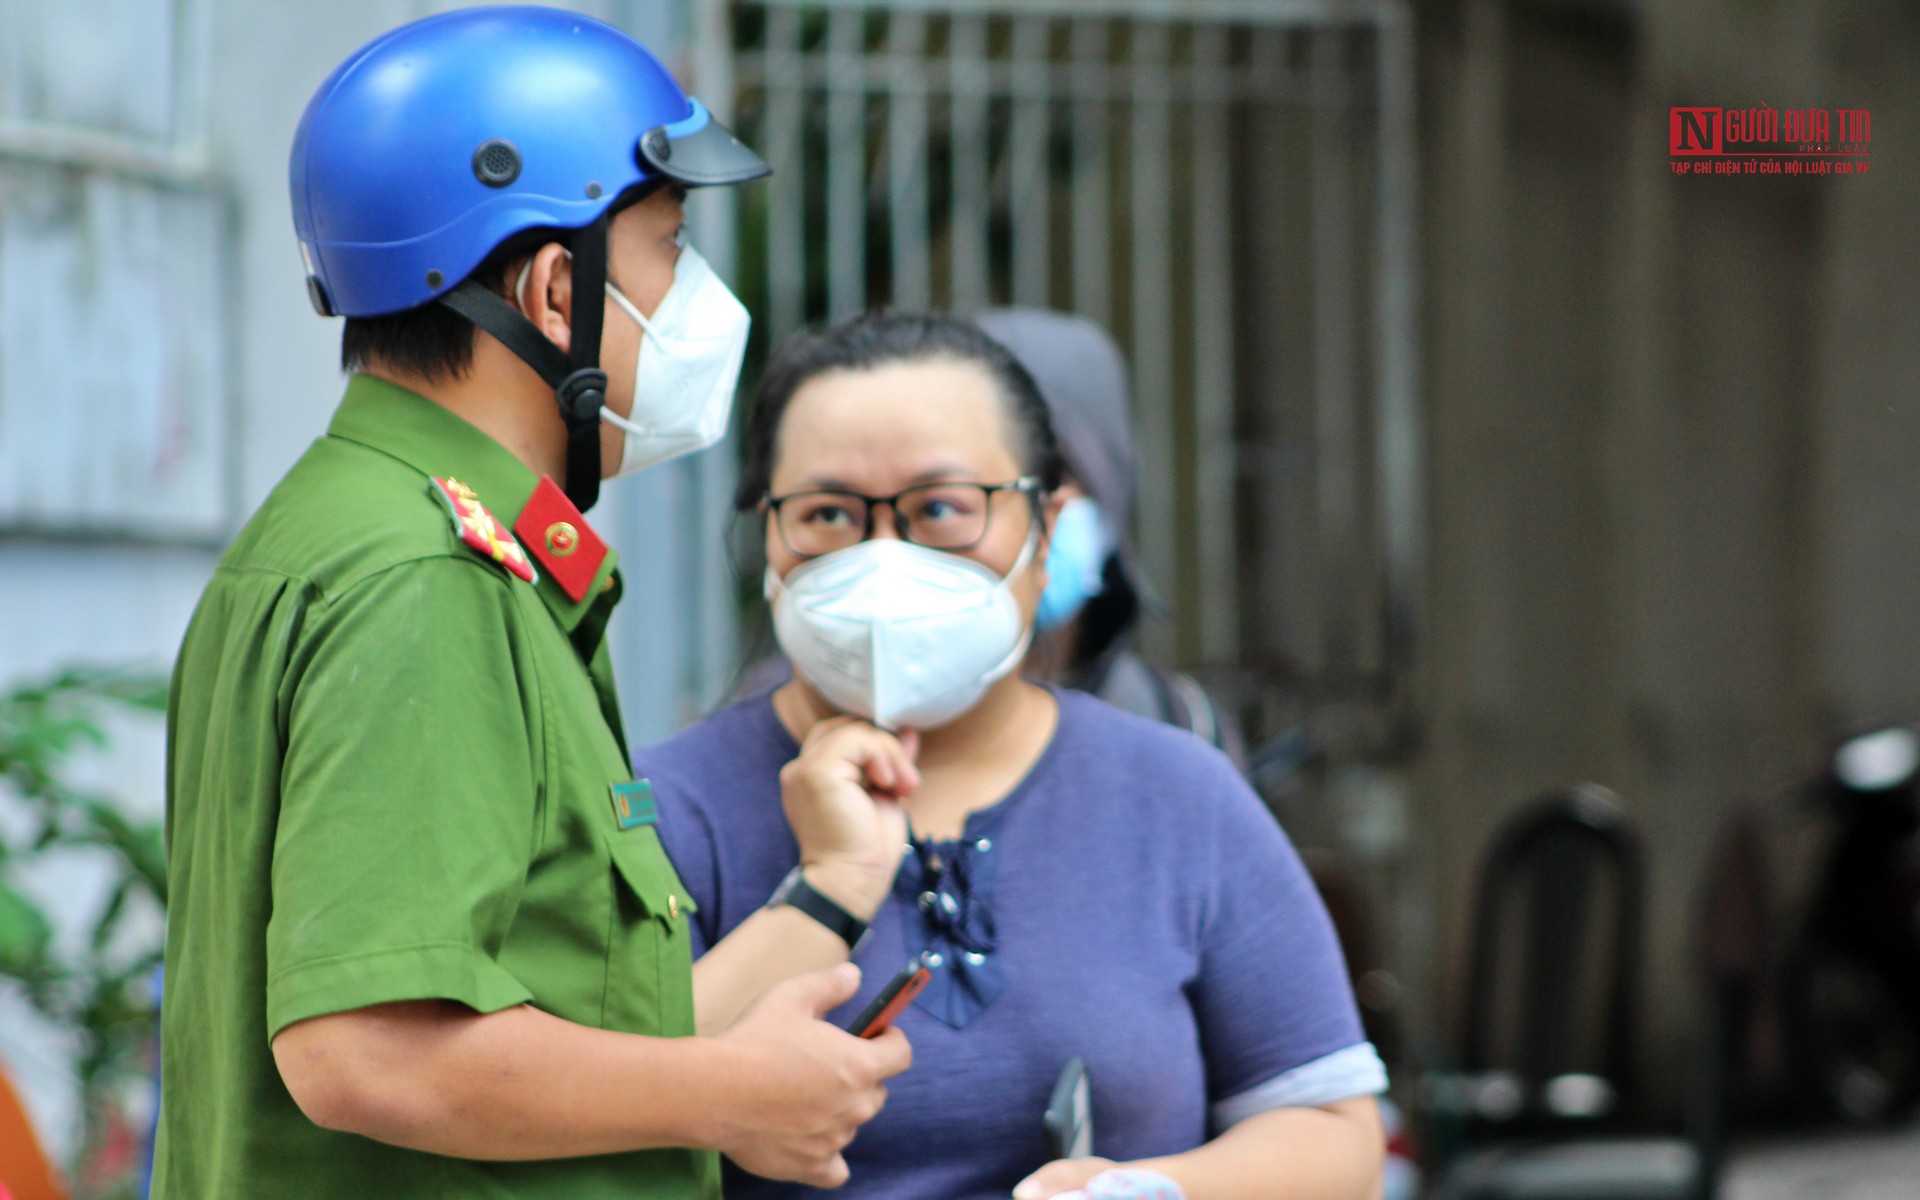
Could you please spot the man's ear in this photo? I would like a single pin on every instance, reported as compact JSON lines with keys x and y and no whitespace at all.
{"x":546,"y":298}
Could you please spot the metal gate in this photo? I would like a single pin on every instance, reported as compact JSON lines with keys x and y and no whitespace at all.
{"x":1226,"y":185}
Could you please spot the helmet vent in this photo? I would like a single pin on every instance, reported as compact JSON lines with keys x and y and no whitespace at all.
{"x":593,"y":191}
{"x":496,"y":163}
{"x":435,"y":279}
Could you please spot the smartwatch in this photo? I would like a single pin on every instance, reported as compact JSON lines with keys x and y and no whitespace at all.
{"x":796,"y":891}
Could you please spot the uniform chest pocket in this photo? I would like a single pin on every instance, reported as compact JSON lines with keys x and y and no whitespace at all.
{"x":649,"y":959}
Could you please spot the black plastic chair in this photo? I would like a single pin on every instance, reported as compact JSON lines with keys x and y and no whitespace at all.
{"x":1548,"y":1076}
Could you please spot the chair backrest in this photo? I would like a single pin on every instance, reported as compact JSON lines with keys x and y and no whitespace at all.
{"x":1556,"y":950}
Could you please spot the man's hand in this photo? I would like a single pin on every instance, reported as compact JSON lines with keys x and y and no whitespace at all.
{"x":810,"y":1086}
{"x":842,"y":797}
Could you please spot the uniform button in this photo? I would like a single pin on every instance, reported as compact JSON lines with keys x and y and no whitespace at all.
{"x":983,"y":845}
{"x":562,"y":539}
{"x":947,"y":902}
{"x":934,"y":960}
{"x":975,"y":958}
{"x":928,"y":900}
{"x":673,"y":906}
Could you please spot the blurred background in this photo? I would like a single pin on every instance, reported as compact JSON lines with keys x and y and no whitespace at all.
{"x":1546,"y":518}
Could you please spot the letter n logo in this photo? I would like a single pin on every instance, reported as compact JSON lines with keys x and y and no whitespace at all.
{"x":1693,"y":131}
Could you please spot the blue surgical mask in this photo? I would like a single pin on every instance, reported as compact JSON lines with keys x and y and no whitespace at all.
{"x":1077,"y":556}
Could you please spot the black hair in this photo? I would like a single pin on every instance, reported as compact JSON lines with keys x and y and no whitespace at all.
{"x":435,"y":342}
{"x":881,"y":339}
{"x":430,"y":340}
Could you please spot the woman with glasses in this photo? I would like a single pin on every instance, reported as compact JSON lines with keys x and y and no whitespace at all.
{"x":1084,"y":883}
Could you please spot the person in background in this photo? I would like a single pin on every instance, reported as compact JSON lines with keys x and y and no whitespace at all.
{"x":1082,"y":881}
{"x":1088,"y":616}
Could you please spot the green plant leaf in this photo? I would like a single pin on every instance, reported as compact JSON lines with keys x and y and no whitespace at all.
{"x":110,"y":916}
{"x":25,"y":935}
{"x":141,"y":844}
{"x":99,"y":988}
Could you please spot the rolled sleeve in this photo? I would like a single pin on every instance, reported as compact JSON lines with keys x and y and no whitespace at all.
{"x":409,"y":807}
{"x":1343,"y":1075}
{"x":447,"y":971}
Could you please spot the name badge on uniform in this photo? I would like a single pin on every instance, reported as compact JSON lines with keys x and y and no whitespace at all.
{"x":634,"y":805}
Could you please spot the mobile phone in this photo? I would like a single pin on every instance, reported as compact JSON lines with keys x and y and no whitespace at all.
{"x":1069,"y":1119}
{"x":893,"y":999}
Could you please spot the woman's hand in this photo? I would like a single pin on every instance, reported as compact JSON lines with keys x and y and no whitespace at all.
{"x":1330,"y":1153}
{"x":1060,"y":1175}
{"x":1096,"y":1179}
{"x":842,"y":797}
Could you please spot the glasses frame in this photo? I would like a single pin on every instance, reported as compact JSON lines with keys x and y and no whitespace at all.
{"x":1026,"y":485}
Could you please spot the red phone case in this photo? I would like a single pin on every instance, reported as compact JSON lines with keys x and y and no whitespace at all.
{"x":892,"y":1002}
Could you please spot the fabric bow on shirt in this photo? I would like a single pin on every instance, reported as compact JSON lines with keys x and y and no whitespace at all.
{"x":948,"y":889}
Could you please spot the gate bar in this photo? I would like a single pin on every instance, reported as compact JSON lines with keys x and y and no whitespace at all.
{"x":846,"y":164}
{"x":907,"y":164}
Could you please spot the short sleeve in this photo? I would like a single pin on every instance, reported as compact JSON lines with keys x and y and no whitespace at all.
{"x":687,"y":834}
{"x":1272,"y":994}
{"x":408,"y":797}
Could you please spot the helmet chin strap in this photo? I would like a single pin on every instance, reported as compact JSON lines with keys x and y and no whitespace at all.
{"x":579,"y":385}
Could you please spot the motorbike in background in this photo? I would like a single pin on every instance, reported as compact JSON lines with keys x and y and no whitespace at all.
{"x":1851,"y":1002}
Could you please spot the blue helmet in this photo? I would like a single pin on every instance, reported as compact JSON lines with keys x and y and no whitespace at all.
{"x":441,"y":139}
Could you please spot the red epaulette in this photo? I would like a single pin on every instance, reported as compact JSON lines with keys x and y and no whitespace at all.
{"x":561,"y":539}
{"x":481,"y":530}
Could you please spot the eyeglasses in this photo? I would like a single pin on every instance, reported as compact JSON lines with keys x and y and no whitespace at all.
{"x":939,"y":516}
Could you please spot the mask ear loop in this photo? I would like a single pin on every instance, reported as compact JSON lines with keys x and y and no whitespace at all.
{"x":613,"y":292}
{"x":633,"y":310}
{"x":627,"y":306}
{"x":1027,"y":553}
{"x":1019,"y":653}
{"x":646,"y":330}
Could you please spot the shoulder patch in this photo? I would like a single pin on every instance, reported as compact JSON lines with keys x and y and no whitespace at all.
{"x":481,"y":530}
{"x":557,"y":535}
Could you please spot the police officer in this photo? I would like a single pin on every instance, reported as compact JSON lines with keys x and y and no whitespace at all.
{"x":423,"y":939}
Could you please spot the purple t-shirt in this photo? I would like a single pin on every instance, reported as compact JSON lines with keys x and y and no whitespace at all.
{"x":1130,"y":902}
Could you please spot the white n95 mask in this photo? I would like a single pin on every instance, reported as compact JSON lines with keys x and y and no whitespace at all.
{"x":688,"y":366}
{"x":907,"y":637}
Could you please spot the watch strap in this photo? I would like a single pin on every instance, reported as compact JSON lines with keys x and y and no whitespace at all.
{"x":796,"y":891}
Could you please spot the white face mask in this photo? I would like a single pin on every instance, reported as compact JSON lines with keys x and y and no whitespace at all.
{"x":906,"y":637}
{"x":688,"y":365}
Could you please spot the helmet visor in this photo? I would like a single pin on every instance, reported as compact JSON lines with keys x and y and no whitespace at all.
{"x":706,"y":156}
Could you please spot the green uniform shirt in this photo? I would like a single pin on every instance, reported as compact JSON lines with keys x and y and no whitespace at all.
{"x":390,"y":777}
